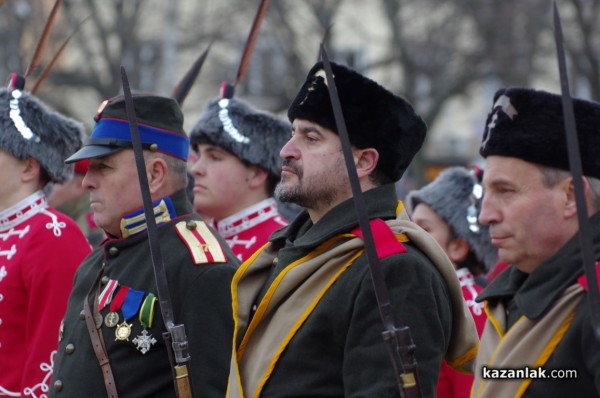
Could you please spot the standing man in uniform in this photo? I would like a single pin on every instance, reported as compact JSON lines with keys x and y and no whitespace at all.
{"x":447,"y":208}
{"x":116,"y":283}
{"x":538,"y":317}
{"x":40,"y":248}
{"x":236,"y":170}
{"x":305,"y":310}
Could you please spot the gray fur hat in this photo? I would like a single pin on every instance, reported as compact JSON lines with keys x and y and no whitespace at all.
{"x":29,"y":128}
{"x":450,"y":195}
{"x":252,"y":135}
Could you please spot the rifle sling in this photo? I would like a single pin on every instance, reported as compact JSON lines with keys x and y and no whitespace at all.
{"x":98,"y":339}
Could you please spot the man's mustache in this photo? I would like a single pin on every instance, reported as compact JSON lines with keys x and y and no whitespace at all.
{"x":293,"y":166}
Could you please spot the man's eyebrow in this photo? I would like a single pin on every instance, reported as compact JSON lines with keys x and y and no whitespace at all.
{"x":306,"y":129}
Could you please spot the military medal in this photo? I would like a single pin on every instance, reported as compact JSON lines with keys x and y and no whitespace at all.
{"x":123,"y":331}
{"x":112,"y":318}
{"x":107,"y":293}
{"x":131,"y":304}
{"x":145,"y":341}
{"x":98,"y":320}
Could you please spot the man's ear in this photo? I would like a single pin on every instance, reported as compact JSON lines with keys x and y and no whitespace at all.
{"x":570,"y":201}
{"x":157,"y":173}
{"x":256,"y":176}
{"x":31,"y":170}
{"x":457,"y":250}
{"x":366,"y":161}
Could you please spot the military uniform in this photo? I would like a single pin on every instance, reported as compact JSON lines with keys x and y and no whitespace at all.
{"x":452,"y":383}
{"x":523,"y":296}
{"x":33,"y":299}
{"x":248,"y":230}
{"x":199,"y":267}
{"x":335,"y":348}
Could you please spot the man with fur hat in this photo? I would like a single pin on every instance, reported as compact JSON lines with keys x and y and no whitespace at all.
{"x":306,"y":318}
{"x":236,"y":170}
{"x":538,"y":315}
{"x":112,"y":337}
{"x":40,"y":248}
{"x":447,"y":208}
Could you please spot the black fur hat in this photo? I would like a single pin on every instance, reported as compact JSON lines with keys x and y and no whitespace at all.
{"x":252,"y":135}
{"x":29,"y":128}
{"x":528,"y":124}
{"x":159,"y":121}
{"x":450,"y":195}
{"x":374,"y":116}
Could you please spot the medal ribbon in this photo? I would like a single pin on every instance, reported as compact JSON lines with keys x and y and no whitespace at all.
{"x":107,"y":293}
{"x":147,"y":311}
{"x":117,"y":302}
{"x":132,"y":303}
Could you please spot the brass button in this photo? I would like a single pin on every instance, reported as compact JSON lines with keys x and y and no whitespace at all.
{"x":58,"y":385}
{"x":105,"y":278}
{"x":191,"y":225}
{"x":82,"y":314}
{"x":70,"y":348}
{"x":153,"y":147}
{"x":113,"y":251}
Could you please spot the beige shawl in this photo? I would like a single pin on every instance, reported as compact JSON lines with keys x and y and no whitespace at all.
{"x":527,"y":343}
{"x":296,"y":291}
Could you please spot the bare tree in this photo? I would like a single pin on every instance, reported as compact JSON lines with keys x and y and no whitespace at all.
{"x":581,"y":20}
{"x":429,"y":51}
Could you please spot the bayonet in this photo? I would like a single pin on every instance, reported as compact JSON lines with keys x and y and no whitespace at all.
{"x":398,"y":340}
{"x":175,"y":333}
{"x":182,"y":88}
{"x":587,"y":255}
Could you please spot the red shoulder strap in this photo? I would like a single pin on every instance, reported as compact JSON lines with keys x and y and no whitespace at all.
{"x":385,"y":240}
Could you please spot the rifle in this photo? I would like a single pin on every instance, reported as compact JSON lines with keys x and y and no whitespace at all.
{"x":175,"y":336}
{"x":398,"y":341}
{"x":585,"y":239}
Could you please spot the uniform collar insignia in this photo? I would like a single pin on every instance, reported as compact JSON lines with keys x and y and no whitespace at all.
{"x":134,"y":223}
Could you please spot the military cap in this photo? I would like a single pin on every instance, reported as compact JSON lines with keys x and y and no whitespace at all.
{"x":375,"y":117}
{"x":528,"y":124}
{"x":159,"y":121}
{"x":455,"y":196}
{"x":252,"y":135}
{"x":30,"y":128}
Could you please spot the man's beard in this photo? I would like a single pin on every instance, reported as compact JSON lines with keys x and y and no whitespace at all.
{"x":318,"y":191}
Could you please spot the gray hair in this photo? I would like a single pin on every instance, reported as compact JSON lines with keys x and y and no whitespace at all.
{"x":552,"y":176}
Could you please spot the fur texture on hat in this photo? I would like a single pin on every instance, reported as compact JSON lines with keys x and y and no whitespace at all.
{"x":449,"y":195}
{"x":528,"y":124}
{"x":29,"y":128}
{"x":251,"y":135}
{"x":375,"y":118}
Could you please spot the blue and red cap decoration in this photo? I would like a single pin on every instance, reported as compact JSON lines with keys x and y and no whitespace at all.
{"x":160,"y":124}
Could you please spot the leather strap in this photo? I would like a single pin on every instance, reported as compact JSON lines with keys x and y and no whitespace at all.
{"x":98,"y":340}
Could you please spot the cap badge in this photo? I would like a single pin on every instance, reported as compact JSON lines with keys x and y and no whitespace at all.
{"x":502,"y":104}
{"x":17,"y":119}
{"x":313,"y":83}
{"x":228,"y":125}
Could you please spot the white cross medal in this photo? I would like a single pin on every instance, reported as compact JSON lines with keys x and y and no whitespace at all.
{"x":145,"y":341}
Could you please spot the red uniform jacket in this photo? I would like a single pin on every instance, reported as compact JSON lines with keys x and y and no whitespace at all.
{"x":249,"y":229}
{"x":453,"y":384}
{"x":40,"y":249}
